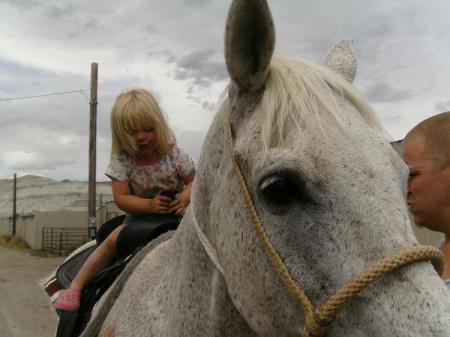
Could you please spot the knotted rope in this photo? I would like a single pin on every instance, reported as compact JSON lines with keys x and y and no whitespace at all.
{"x":319,"y":319}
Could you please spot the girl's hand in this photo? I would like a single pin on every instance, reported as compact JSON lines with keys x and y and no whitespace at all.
{"x":160,"y":204}
{"x":179,"y":204}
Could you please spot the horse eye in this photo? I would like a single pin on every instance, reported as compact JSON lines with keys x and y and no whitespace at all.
{"x":282,"y":189}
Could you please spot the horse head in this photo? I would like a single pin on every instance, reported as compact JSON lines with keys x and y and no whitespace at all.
{"x":328,"y":189}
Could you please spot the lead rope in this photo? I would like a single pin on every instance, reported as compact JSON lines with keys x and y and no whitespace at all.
{"x":319,"y":319}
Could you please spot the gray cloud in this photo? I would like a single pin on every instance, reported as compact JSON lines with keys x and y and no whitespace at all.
{"x":384,"y":92}
{"x":442,"y":106}
{"x":19,"y":161}
{"x":149,"y":28}
{"x":167,"y":55}
{"x":208,"y":106}
{"x":57,"y":11}
{"x":201,"y":68}
{"x":378,"y":26}
{"x":22,"y":4}
{"x":191,"y":142}
{"x":63,"y":112}
{"x":196,"y":3}
{"x":176,"y":50}
{"x":90,"y":24}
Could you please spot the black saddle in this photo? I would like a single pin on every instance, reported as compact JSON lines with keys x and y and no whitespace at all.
{"x":130,"y":240}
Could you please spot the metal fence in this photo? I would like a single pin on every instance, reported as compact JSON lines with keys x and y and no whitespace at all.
{"x":62,"y":241}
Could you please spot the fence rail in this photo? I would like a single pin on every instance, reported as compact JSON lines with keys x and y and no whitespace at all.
{"x":62,"y":241}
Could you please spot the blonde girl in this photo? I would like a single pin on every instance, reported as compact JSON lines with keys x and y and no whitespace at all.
{"x":151,"y":179}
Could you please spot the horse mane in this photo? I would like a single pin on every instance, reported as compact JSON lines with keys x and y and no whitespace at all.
{"x":296,"y":90}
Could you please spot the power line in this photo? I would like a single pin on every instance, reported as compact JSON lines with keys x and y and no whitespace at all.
{"x":81,"y":91}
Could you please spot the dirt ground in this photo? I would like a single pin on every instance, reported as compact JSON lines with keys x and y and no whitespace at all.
{"x":25,"y":310}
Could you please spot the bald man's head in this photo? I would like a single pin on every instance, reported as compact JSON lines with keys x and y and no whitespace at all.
{"x":435,"y":133}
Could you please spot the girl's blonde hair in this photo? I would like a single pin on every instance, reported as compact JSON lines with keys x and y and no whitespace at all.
{"x":133,"y":110}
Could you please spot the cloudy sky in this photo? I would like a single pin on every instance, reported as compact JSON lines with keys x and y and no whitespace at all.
{"x":175,"y":49}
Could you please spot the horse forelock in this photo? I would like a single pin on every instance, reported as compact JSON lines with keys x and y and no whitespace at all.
{"x":298,"y":93}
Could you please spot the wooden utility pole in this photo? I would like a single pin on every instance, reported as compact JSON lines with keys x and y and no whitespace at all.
{"x":14,"y":214}
{"x":92,"y":223}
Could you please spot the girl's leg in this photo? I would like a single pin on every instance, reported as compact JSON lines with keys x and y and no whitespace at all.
{"x":101,"y":258}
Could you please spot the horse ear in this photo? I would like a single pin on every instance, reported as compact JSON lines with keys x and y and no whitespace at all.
{"x":341,"y":59}
{"x":249,"y":43}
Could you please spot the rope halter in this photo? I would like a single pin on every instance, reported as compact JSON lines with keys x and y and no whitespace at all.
{"x":319,"y":319}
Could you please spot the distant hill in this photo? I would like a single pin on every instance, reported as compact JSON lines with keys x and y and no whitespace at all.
{"x":35,"y":193}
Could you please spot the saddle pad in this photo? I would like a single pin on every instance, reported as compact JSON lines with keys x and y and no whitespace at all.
{"x":93,"y":327}
{"x":69,"y":269}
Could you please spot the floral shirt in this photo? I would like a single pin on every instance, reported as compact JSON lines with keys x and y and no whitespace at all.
{"x":146,"y":180}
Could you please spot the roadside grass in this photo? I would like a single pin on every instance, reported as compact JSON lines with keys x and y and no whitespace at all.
{"x":17,"y":243}
{"x":14,"y":242}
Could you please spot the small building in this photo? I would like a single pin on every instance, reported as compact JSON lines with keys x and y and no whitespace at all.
{"x":62,"y":229}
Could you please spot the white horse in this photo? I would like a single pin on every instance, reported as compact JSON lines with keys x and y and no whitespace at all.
{"x":320,"y":200}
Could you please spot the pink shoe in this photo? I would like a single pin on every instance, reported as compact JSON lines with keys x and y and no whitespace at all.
{"x":68,"y":300}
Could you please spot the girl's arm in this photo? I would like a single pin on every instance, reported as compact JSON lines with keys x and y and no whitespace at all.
{"x":137,"y":205}
{"x":183,"y":198}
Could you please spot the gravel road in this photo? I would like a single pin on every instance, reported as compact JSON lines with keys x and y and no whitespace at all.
{"x":25,"y":310}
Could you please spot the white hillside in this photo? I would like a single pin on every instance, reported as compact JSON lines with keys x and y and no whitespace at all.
{"x":36,"y":193}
